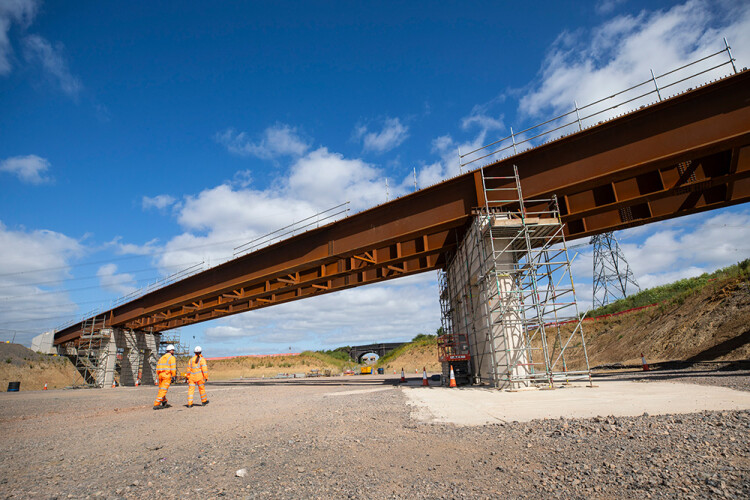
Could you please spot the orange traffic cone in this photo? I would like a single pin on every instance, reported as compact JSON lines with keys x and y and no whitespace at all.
{"x":453,"y":378}
{"x":114,"y":384}
{"x":424,"y":377}
{"x":45,"y":386}
{"x":643,"y":362}
{"x":416,"y":371}
{"x":403,"y":378}
{"x":137,"y":382}
{"x":394,"y":371}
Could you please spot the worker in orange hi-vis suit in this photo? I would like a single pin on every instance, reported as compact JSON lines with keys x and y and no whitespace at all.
{"x":197,"y":375}
{"x":166,"y":368}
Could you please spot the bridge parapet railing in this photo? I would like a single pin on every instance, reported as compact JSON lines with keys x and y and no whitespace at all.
{"x":314,"y":221}
{"x":598,"y":111}
{"x":160,"y":283}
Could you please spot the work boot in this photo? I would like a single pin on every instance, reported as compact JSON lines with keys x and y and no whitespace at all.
{"x":205,"y":402}
{"x":164,"y":403}
{"x":189,"y":406}
{"x":158,"y":407}
{"x":166,"y":406}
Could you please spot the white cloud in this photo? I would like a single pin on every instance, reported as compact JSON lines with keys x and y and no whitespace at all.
{"x":480,"y":116}
{"x":221,"y":218}
{"x":121,"y":284}
{"x":159,"y":202}
{"x":449,"y":164}
{"x":148,"y":248}
{"x":277,"y":141}
{"x":392,"y":135}
{"x":606,"y":6}
{"x":585,"y":66}
{"x":324,"y":179}
{"x":242,"y":178}
{"x":485,"y":119}
{"x":20,"y":12}
{"x":29,"y":261}
{"x":701,"y":241}
{"x":29,"y":169}
{"x":52,"y":60}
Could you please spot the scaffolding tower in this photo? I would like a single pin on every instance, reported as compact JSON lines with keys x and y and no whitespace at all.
{"x":511,"y":292}
{"x":612,"y":273}
{"x":453,"y":344}
{"x":181,"y":351}
{"x":91,"y":353}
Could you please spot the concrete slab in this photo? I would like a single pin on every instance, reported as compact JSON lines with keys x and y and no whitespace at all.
{"x":477,"y":406}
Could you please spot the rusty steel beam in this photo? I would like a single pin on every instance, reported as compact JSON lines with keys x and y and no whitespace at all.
{"x":688,"y":154}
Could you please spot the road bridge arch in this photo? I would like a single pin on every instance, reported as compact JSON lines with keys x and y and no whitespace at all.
{"x":356,"y":352}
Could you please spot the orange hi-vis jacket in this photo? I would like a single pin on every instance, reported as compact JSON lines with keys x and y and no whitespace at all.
{"x":197,"y":369}
{"x":167,"y":364}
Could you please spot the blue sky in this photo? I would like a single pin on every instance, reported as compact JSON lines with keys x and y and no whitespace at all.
{"x":139,"y":139}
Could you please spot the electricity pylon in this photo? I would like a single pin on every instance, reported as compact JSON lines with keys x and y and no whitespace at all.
{"x":612,"y":273}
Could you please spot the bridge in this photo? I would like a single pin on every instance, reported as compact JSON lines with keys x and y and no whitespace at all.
{"x":356,"y":352}
{"x":679,"y":156}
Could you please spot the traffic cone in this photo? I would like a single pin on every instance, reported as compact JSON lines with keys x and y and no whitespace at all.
{"x":643,"y":362}
{"x":424,"y":377}
{"x":403,"y":378}
{"x":416,"y":371}
{"x":453,"y":378}
{"x":394,"y":371}
{"x":137,"y":382}
{"x":114,"y":384}
{"x":45,"y":386}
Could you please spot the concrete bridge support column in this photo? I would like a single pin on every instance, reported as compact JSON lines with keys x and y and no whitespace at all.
{"x":107,"y":364}
{"x":485,"y":305}
{"x":506,"y":325}
{"x":138,"y":353}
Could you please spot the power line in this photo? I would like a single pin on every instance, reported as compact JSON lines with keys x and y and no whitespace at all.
{"x":128,"y":257}
{"x":81,"y":278}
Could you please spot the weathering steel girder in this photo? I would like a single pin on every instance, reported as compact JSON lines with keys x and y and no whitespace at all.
{"x":284,"y":290}
{"x":611,"y":176}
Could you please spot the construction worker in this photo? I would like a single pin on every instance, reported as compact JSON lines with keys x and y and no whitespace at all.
{"x":166,"y":368}
{"x":197,"y":375}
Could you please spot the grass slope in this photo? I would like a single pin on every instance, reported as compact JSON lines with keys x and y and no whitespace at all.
{"x":420,"y":353}
{"x":675,"y":292}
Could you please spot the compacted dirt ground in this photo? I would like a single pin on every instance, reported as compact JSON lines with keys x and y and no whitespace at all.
{"x":355,"y":437}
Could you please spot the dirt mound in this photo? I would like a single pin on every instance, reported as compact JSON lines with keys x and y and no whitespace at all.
{"x":414,"y":357}
{"x":18,"y":355}
{"x":33,"y":370}
{"x":270,"y":366}
{"x":712,"y":324}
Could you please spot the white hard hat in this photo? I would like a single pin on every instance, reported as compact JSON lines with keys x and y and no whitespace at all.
{"x":170,"y":347}
{"x":197,"y":349}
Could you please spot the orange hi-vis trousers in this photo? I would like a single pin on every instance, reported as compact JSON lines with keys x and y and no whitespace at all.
{"x":201,"y":389}
{"x":165,"y":380}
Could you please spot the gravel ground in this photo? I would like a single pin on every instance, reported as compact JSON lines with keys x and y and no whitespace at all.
{"x":352,"y":437}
